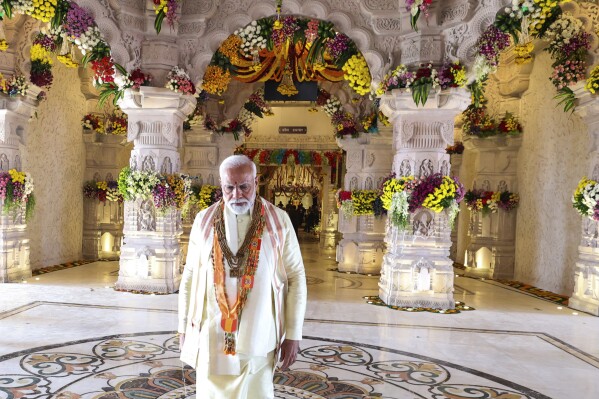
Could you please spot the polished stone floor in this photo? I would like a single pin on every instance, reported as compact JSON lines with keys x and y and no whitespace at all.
{"x":68,"y":334}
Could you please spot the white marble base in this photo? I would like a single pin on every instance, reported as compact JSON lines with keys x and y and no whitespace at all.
{"x":586,"y":281}
{"x":417,"y":271}
{"x":14,"y":248}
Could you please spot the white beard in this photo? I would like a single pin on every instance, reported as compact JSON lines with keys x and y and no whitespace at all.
{"x":240,"y":207}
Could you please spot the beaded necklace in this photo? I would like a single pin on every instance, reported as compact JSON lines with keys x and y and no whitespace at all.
{"x":230,"y":316}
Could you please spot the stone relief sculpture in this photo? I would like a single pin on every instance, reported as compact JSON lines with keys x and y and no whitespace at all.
{"x":133,"y":162}
{"x":422,"y":275}
{"x":369,"y":184}
{"x":353,"y":185}
{"x":146,"y":219}
{"x":148,"y":164}
{"x":445,"y":168}
{"x":595,"y":175}
{"x":18,"y":162}
{"x":211,"y":179}
{"x":97,"y":177}
{"x":486,"y":185}
{"x":109,"y":177}
{"x":423,"y":225}
{"x":4,"y":162}
{"x":167,"y":166}
{"x":426,"y":168}
{"x":405,"y":169}
{"x":502,"y":186}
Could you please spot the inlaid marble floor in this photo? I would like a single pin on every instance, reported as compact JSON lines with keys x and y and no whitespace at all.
{"x":67,"y":334}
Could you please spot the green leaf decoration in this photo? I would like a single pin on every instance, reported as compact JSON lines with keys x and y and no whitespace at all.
{"x":7,"y":7}
{"x":510,"y":25}
{"x":414,"y":20}
{"x":121,"y":69}
{"x":60,"y":12}
{"x":158,"y":21}
{"x":567,"y":98}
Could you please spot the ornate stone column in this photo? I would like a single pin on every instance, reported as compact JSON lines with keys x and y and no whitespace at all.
{"x":586,"y":275}
{"x":368,"y":159}
{"x":15,"y":113}
{"x":492,"y":245}
{"x":456,"y":164}
{"x":416,"y":269}
{"x":151,"y":258}
{"x":330,"y":217}
{"x":106,"y":155}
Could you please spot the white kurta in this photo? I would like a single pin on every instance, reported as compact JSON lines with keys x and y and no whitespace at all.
{"x":282,"y":293}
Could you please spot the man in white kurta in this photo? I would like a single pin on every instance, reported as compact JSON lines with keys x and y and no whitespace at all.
{"x":271,"y":320}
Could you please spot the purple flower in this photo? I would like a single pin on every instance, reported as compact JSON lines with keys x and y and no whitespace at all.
{"x":77,"y":20}
{"x":337,"y":45}
{"x":491,"y":43}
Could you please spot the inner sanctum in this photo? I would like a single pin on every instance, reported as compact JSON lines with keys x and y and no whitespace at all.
{"x":437,"y":160}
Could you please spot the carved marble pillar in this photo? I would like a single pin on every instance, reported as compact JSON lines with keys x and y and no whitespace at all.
{"x":151,"y":258}
{"x":202,"y":155}
{"x":368,"y":160}
{"x":586,"y":275}
{"x":106,"y":155}
{"x":329,"y":218}
{"x":492,"y":245}
{"x":416,"y":269}
{"x":15,"y":113}
{"x":456,"y":164}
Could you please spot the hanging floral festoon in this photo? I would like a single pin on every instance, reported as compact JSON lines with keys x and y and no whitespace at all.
{"x":287,"y":49}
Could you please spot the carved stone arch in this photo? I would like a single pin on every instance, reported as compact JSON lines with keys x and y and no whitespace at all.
{"x":237,"y":97}
{"x":211,"y":179}
{"x":97,"y":177}
{"x":426,"y":168}
{"x":486,"y":186}
{"x":369,"y":184}
{"x":482,"y":20}
{"x":353,"y":184}
{"x":18,"y":162}
{"x":111,"y":33}
{"x":343,"y":21}
{"x":4,"y":163}
{"x":314,"y":9}
{"x":379,"y":182}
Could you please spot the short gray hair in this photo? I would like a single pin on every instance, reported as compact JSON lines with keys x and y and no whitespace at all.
{"x":237,"y":161}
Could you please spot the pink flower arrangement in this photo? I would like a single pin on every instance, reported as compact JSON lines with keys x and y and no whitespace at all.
{"x":568,"y":73}
{"x":138,"y":78}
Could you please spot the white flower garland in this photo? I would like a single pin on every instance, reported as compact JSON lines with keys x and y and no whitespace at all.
{"x":562,"y":30}
{"x":590,"y":197}
{"x":140,"y":183}
{"x":332,"y":106}
{"x":22,"y":6}
{"x":398,"y":211}
{"x":88,"y":39}
{"x":252,"y":39}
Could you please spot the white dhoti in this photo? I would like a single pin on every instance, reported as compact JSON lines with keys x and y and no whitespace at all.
{"x":254,"y":382}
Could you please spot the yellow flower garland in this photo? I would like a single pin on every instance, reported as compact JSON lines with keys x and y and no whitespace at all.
{"x":67,"y":61}
{"x":357,"y":74}
{"x":38,"y":53}
{"x":230,"y":48}
{"x":592,"y":83}
{"x":363,"y":201}
{"x":3,"y":45}
{"x":434,"y":200}
{"x":216,"y":80}
{"x":17,"y":177}
{"x":392,"y":186}
{"x":44,"y":10}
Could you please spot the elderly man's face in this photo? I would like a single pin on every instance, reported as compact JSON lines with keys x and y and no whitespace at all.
{"x":239,"y":189}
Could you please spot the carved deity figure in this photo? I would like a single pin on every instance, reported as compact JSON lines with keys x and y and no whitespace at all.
{"x":426,"y":168}
{"x":405,"y":169}
{"x":146,"y":216}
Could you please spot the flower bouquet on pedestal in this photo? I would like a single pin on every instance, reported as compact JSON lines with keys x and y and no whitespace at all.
{"x":406,"y":195}
{"x":490,"y":202}
{"x":509,"y":125}
{"x":586,"y":198}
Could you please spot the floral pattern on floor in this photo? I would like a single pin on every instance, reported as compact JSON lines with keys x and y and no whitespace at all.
{"x":147,"y":366}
